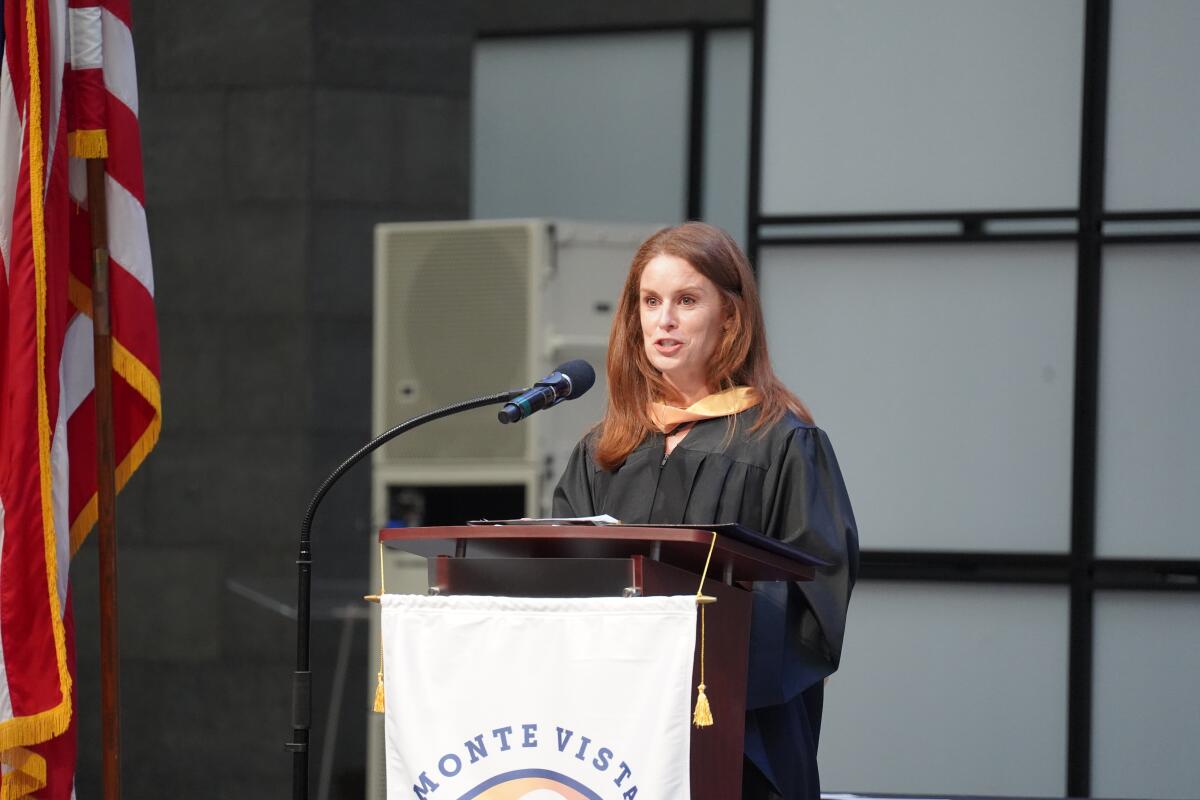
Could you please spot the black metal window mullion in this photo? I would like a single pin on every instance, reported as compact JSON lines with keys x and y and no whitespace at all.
{"x":698,"y":90}
{"x":1094,"y":125}
{"x":754,"y":179}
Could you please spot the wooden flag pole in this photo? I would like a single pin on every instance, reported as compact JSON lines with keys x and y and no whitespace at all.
{"x":106,"y":487}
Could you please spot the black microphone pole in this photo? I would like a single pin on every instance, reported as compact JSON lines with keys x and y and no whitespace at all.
{"x":302,"y":677}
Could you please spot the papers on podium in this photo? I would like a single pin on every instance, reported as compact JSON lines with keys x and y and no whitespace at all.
{"x":599,"y":519}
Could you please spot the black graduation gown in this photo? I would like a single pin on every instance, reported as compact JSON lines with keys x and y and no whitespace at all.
{"x":783,"y":481}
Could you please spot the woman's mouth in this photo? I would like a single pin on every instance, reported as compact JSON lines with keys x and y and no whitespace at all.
{"x":668,"y":347}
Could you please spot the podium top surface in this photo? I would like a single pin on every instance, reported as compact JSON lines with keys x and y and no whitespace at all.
{"x":686,"y":548}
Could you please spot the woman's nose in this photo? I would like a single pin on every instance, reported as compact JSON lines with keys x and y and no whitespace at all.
{"x":666,"y":317}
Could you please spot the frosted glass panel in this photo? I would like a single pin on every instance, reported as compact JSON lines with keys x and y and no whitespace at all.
{"x":727,"y":131}
{"x":1148,"y":459}
{"x":925,"y":104}
{"x":586,"y":127}
{"x":943,"y":375}
{"x":1153,"y":105}
{"x":951,"y":689}
{"x":1146,"y":709}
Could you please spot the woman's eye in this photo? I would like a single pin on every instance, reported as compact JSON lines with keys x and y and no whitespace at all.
{"x":687,"y":301}
{"x":651,"y":301}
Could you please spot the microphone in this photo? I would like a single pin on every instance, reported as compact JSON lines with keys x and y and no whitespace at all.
{"x":567,"y":382}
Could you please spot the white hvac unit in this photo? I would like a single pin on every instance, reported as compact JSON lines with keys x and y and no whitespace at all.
{"x":469,"y":308}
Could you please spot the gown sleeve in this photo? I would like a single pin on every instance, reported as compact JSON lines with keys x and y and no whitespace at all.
{"x":573,"y":496}
{"x":796,"y":638}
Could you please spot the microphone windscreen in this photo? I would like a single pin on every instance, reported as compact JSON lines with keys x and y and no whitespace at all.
{"x":581,"y":375}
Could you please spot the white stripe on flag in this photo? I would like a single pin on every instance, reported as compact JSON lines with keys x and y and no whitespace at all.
{"x":120,"y":71}
{"x":60,"y":463}
{"x":6,"y":710}
{"x":59,"y":52}
{"x":127,"y":240}
{"x":12,"y":131}
{"x":77,"y":181}
{"x":79,"y":378}
{"x":85,"y":38}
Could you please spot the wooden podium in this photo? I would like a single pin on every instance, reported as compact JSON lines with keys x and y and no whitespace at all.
{"x":610,"y":560}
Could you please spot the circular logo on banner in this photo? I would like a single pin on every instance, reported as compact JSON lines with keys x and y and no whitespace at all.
{"x":531,"y":784}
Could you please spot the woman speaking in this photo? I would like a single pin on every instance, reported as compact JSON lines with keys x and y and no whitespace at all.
{"x":698,"y":429}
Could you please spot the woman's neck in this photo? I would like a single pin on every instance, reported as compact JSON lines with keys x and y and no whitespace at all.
{"x":686,"y":395}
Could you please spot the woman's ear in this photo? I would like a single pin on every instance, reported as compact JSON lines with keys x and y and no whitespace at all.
{"x":730,"y":310}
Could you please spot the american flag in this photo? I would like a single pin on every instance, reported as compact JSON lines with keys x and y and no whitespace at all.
{"x":67,"y":88}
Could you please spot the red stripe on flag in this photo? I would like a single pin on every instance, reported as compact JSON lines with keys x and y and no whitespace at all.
{"x":125,"y":148}
{"x":25,"y":625}
{"x":121,"y":9}
{"x":81,"y":433}
{"x":87,"y":102}
{"x":14,"y":53}
{"x":81,"y":245}
{"x":131,"y":415}
{"x":133,"y":322}
{"x":61,"y":751}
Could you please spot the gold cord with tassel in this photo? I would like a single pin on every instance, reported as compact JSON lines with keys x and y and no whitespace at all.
{"x":702,"y":716}
{"x":378,"y":707}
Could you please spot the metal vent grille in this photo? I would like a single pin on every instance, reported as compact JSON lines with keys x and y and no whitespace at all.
{"x":455,"y":325}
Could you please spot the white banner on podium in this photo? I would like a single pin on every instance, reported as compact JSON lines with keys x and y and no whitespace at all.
{"x":498,"y":698}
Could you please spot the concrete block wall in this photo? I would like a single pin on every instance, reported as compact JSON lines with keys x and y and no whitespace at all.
{"x":275,"y":135}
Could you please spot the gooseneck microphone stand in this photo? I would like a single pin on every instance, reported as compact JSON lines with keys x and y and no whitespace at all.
{"x":302,"y":677}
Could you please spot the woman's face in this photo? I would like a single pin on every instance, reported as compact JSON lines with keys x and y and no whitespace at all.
{"x":682,"y":316}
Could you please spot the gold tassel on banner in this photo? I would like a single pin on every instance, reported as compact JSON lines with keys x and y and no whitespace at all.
{"x":378,"y":707}
{"x":702,"y":717}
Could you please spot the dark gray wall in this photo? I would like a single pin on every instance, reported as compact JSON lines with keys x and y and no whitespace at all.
{"x":275,"y":134}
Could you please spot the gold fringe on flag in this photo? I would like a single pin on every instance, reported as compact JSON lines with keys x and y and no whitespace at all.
{"x":25,"y":773}
{"x":88,"y":144}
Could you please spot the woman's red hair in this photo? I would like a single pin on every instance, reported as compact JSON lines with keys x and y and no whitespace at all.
{"x":740,"y":358}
